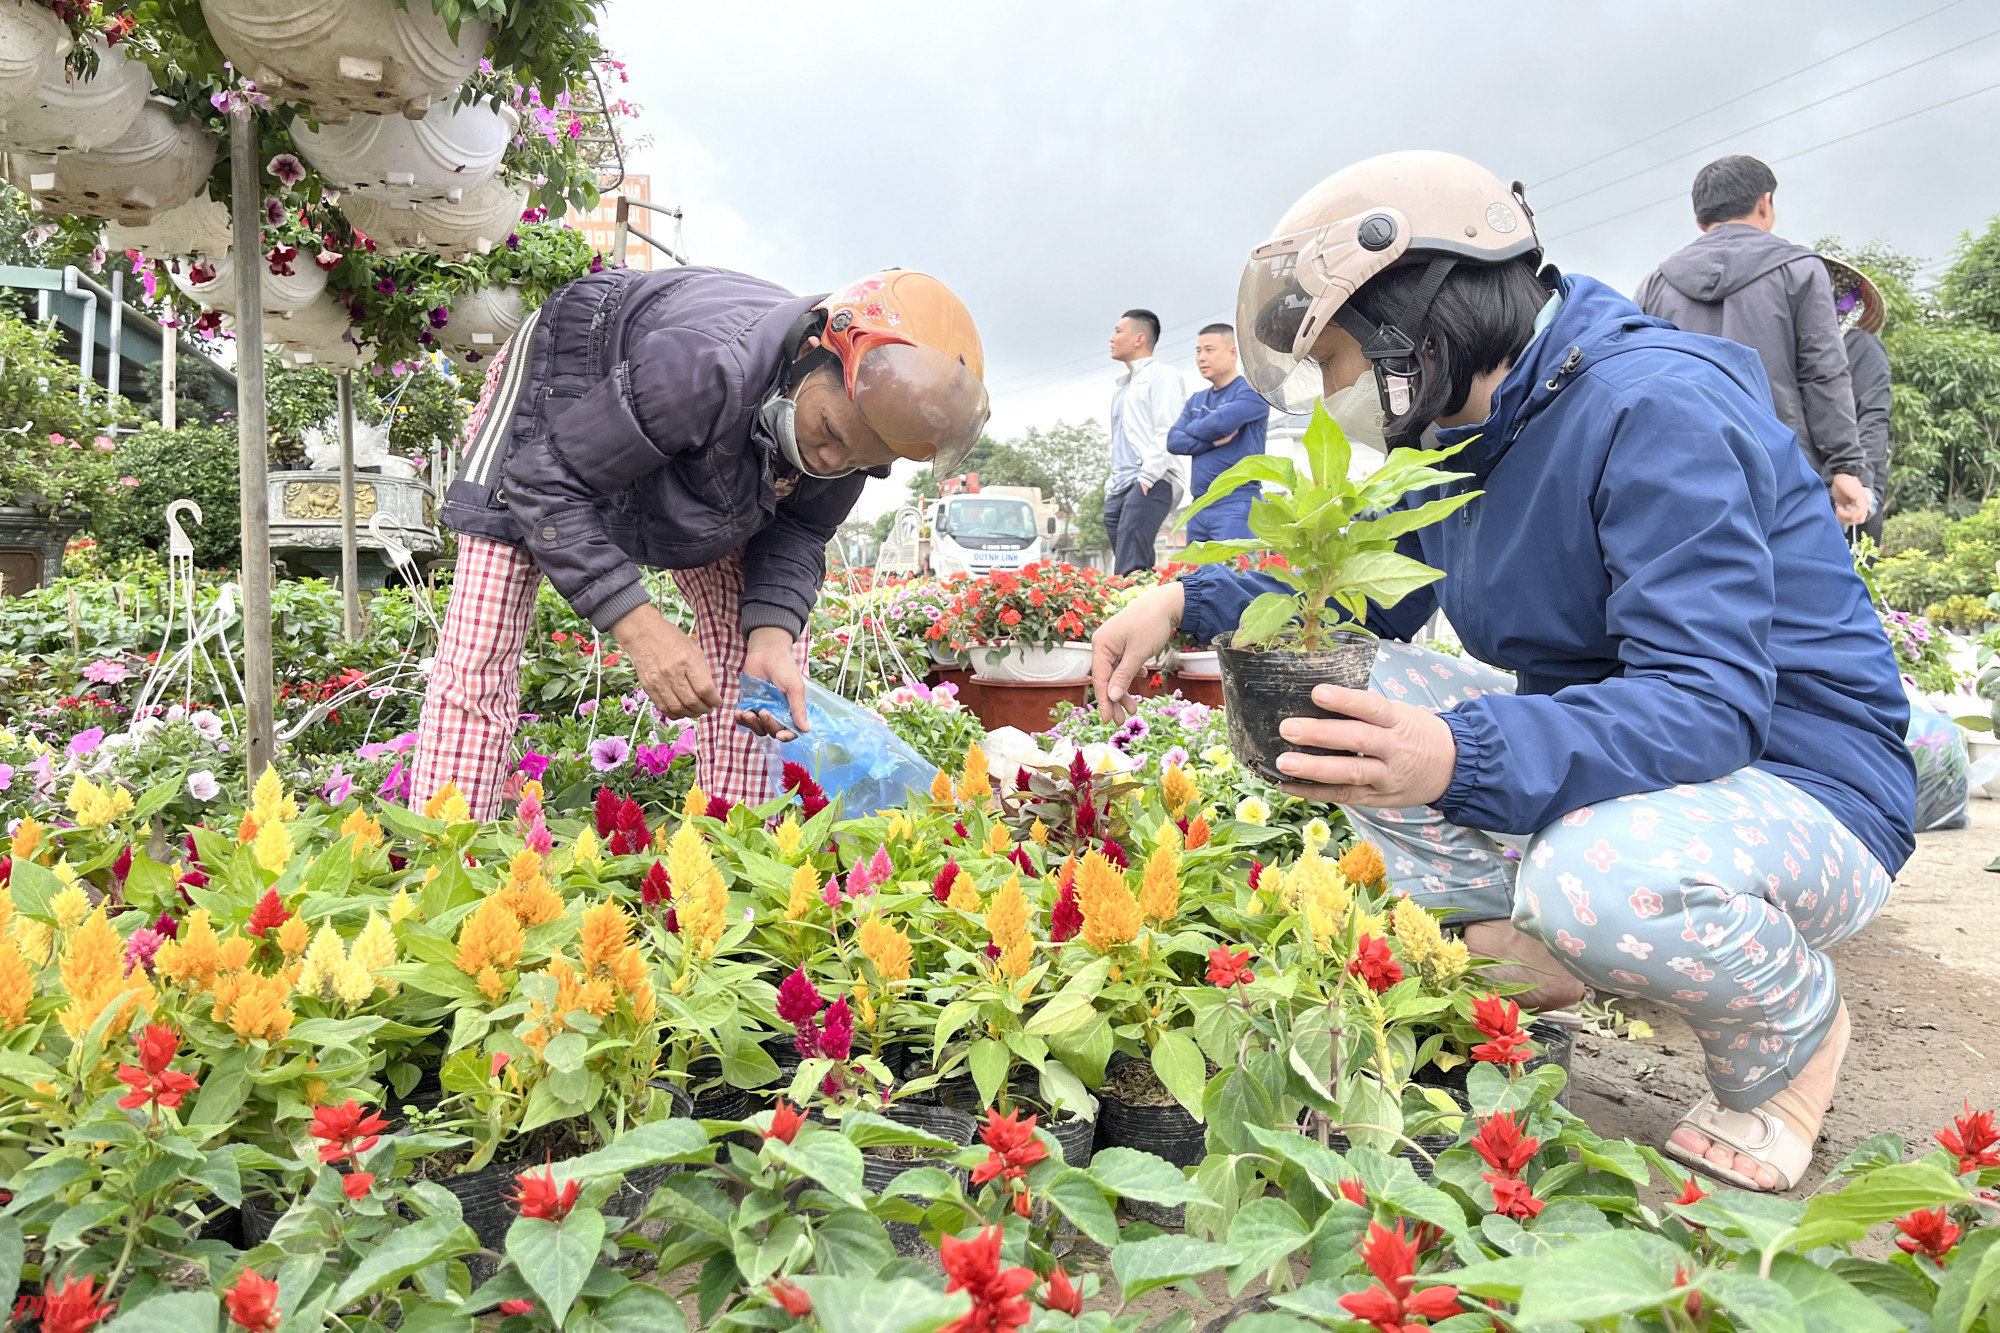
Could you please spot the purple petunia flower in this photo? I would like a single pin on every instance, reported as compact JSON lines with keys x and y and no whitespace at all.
{"x":6,"y":776}
{"x":386,"y":286}
{"x":440,"y":317}
{"x":274,"y":212}
{"x":653,"y":759}
{"x":608,"y":752}
{"x":86,"y":742}
{"x":338,"y":787}
{"x":534,"y":765}
{"x":395,"y":787}
{"x":286,"y":168}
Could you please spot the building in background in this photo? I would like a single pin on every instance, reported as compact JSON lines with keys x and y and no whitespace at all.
{"x":600,"y":224}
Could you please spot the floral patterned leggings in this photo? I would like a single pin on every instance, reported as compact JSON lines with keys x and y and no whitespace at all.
{"x":1713,"y":900}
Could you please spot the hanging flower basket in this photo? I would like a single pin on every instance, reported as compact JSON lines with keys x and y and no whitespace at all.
{"x":214,"y":285}
{"x":320,"y":334}
{"x":482,"y":320}
{"x":33,"y":41}
{"x":484,"y":218}
{"x":345,"y":58}
{"x":1019,"y":662}
{"x":158,"y":165}
{"x":443,"y":156}
{"x":198,"y":227}
{"x":67,"y":114}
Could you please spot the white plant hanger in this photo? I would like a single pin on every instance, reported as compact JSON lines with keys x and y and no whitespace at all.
{"x":347,"y":58}
{"x":69,"y":114}
{"x":443,"y":156}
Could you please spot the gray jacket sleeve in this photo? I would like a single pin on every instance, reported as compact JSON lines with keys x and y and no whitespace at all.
{"x":785,"y":563}
{"x":1825,"y":391}
{"x":1868,"y":367}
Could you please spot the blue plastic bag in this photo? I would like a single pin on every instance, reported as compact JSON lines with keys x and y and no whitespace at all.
{"x":855,"y":758}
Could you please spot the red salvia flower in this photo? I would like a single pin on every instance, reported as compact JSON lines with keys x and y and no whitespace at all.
{"x":74,"y":1307}
{"x":1972,"y":1139}
{"x":1502,"y":1144}
{"x":1930,"y":1233}
{"x":345,"y":1130}
{"x":1512,"y":1198}
{"x":1061,"y":1294}
{"x":1388,"y":1306}
{"x":1226,"y":969}
{"x":791,"y":1297}
{"x":1374,"y":965}
{"x":253,"y":1302}
{"x":973,"y":1266}
{"x":268,"y":913}
{"x":785,"y":1121}
{"x":1014,"y":1147}
{"x":540,"y":1196}
{"x":357,"y":1184}
{"x":1354,"y":1191}
{"x":1500,"y":1020}
{"x":1691,"y":1193}
{"x":152,"y":1082}
{"x":517,"y":1307}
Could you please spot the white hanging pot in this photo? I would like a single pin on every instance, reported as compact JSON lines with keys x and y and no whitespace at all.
{"x":484,"y":218}
{"x":345,"y":58}
{"x":1013,"y":661}
{"x":198,"y":227}
{"x":158,"y":165}
{"x":443,"y":156}
{"x":482,"y":320}
{"x":33,"y":41}
{"x":215,"y":287}
{"x":316,"y":334}
{"x":67,"y":114}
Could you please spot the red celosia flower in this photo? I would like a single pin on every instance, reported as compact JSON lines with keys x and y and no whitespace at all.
{"x":656,"y":888}
{"x":1022,"y":778}
{"x":1373,"y":964}
{"x":1086,"y":819}
{"x":798,"y":1001}
{"x":1502,"y":1144}
{"x":785,"y":1121}
{"x":1691,"y":1193}
{"x":1972,"y":1139}
{"x":1512,"y":1198}
{"x":1061,"y":1294}
{"x":253,"y":1302}
{"x":1014,"y":1147}
{"x":718,"y":807}
{"x":1066,"y":917}
{"x":346,"y":1130}
{"x":268,"y":912}
{"x":811,"y":795}
{"x":1226,"y":969}
{"x":1354,"y":1191}
{"x":121,"y":869}
{"x":836,"y":1037}
{"x":73,"y":1307}
{"x":540,"y":1196}
{"x":973,"y":1266}
{"x":1115,"y":854}
{"x":1079,"y":772}
{"x":517,"y":1307}
{"x":1930,"y":1233}
{"x":357,"y":1184}
{"x":1500,"y":1020}
{"x":1393,"y":1261}
{"x":791,"y":1297}
{"x":941,"y":886}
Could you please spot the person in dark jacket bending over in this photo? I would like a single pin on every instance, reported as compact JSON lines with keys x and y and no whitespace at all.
{"x":1861,"y":312}
{"x":1705,"y":783}
{"x":1217,"y":429}
{"x":1738,"y":281}
{"x":696,"y":420}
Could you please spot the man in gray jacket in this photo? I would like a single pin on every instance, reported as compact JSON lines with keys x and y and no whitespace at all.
{"x":1738,"y":281}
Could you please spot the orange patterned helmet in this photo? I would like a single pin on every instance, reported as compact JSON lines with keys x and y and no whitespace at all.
{"x":912,"y":362}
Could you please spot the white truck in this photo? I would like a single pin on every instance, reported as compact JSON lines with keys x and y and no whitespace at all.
{"x":970,"y":531}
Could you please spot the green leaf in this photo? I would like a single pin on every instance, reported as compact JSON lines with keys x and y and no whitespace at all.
{"x":1385,"y":578}
{"x":865,"y":1129}
{"x":868,"y":1305}
{"x":92,"y":1212}
{"x":1599,"y":1278}
{"x":1074,"y":1005}
{"x":1399,"y":521}
{"x":556,"y":1257}
{"x":1327,"y":451}
{"x":1878,"y":1196}
{"x":1077,"y":1196}
{"x":828,"y":1158}
{"x":1970,"y":1278}
{"x":1264,"y":617}
{"x":1182,"y":1069}
{"x":1755,"y":1304}
{"x":401,"y":1252}
{"x":640,"y":1309}
{"x":1826,"y":1303}
{"x":178,"y":1312}
{"x":1370,"y":1115}
{"x":12,"y":1252}
{"x":851,"y":1243}
{"x":1131,"y":1174}
{"x":1273,"y":468}
{"x":1264,"y":1232}
{"x":1144,"y":1265}
{"x":662,"y":1141}
{"x":989,"y":1060}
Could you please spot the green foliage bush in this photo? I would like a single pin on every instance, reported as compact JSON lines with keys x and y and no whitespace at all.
{"x":1961,"y":613}
{"x":1965,"y":568}
{"x":1915,"y":530}
{"x":195,"y":462}
{"x":50,"y":458}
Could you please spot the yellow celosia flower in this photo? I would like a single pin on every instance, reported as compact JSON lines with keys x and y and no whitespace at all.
{"x":1321,"y":891}
{"x":1039,"y":834}
{"x":490,"y":941}
{"x":375,"y":948}
{"x":599,"y":997}
{"x":1437,"y":959}
{"x":491,"y":983}
{"x":70,"y":907}
{"x":528,"y":893}
{"x":586,"y":849}
{"x":35,"y":939}
{"x":886,"y":947}
{"x":254,"y":1006}
{"x":353,"y":983}
{"x":325,"y":958}
{"x":1179,"y":789}
{"x":364,"y":830}
{"x":805,"y":892}
{"x":788,"y":837}
{"x":604,"y":933}
{"x":6,"y":909}
{"x":93,"y":976}
{"x":194,"y":956}
{"x":964,"y":897}
{"x":899,"y":827}
{"x":27,"y":837}
{"x":644,"y":1006}
{"x":401,"y":906}
{"x":448,"y":806}
{"x":268,"y":801}
{"x":1160,"y":889}
{"x":974,"y":782}
{"x":17,"y":983}
{"x":246,"y":832}
{"x":941,"y":788}
{"x":550,"y":1019}
{"x":94,"y":806}
{"x":1007,"y":924}
{"x":997,"y":841}
{"x":696,"y":803}
{"x":234,"y":953}
{"x":1362,"y":864}
{"x":1110,"y":912}
{"x":698,"y":889}
{"x":293,"y":936}
{"x":274,"y":846}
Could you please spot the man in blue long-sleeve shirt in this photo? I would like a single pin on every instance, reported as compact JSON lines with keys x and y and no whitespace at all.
{"x":1217,"y":428}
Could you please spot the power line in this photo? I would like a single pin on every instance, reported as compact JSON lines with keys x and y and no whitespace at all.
{"x":1731,"y":101}
{"x":1737,"y":134}
{"x":1090,"y":356}
{"x":1881,"y":124}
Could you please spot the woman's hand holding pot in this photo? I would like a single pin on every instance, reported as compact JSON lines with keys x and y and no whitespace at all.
{"x":1397,"y":755}
{"x":1124,"y":644}
{"x":671,"y":668}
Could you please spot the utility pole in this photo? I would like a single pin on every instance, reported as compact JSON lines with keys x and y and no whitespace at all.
{"x":350,"y":558}
{"x":253,"y":444}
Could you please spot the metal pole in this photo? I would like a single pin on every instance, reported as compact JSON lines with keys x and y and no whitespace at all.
{"x":252,"y":444}
{"x":624,"y":217}
{"x":115,"y":350}
{"x":350,"y":559}
{"x":170,"y":377}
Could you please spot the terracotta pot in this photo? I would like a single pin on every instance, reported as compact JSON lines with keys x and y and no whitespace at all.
{"x":65,"y":114}
{"x":32,"y":42}
{"x":156,"y":166}
{"x":444,"y":156}
{"x":1028,"y":705}
{"x":347,"y":57}
{"x":1200,"y":689}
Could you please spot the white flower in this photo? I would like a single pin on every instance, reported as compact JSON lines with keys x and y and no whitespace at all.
{"x":176,"y":713}
{"x":1218,"y":759}
{"x":206,"y":725}
{"x":1250,"y":810}
{"x":1317,"y":834}
{"x":202,"y":785}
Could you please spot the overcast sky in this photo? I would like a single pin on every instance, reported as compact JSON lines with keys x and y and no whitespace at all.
{"x":1059,"y":164}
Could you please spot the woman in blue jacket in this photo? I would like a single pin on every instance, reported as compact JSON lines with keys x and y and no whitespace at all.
{"x":1696,"y":780}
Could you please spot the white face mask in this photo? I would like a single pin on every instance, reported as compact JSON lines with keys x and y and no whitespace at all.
{"x":1357,"y":410}
{"x":780,"y":415}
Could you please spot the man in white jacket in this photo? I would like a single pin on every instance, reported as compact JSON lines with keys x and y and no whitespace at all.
{"x":1146,"y":480}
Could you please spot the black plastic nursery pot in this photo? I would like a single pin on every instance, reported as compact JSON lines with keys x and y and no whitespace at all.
{"x":879,"y":1170}
{"x":1261,"y":687}
{"x":1557,"y":1045}
{"x":1164,"y":1130}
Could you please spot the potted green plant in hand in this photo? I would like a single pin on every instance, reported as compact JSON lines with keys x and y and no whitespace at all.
{"x":1337,"y":539}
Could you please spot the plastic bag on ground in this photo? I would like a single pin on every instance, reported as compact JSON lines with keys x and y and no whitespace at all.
{"x":853,"y":756}
{"x":1944,"y":790}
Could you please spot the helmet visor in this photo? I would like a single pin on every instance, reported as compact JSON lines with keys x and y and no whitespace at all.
{"x":924,"y":404}
{"x":1271,"y":309}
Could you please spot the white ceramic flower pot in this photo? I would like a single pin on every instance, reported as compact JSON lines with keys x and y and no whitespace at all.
{"x":475,"y":224}
{"x":65,"y":114}
{"x":198,"y":227}
{"x":158,"y":165}
{"x":33,"y":41}
{"x":345,"y":58}
{"x":1200,"y":666}
{"x":482,"y":320}
{"x":443,"y":156}
{"x":1011,"y":661}
{"x":282,"y":295}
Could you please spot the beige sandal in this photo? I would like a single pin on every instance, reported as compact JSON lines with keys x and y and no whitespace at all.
{"x":1756,"y":1134}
